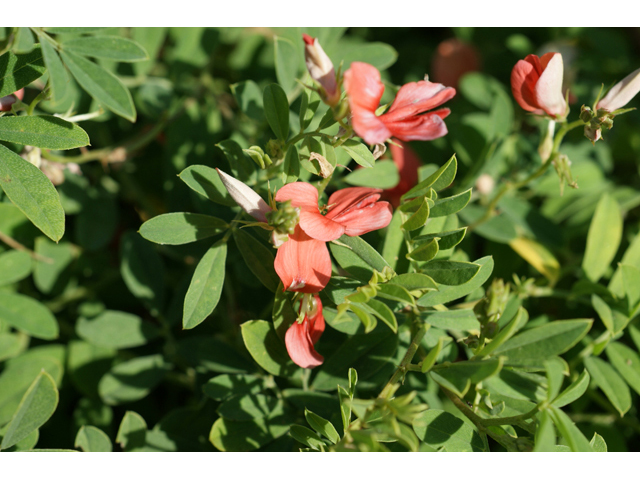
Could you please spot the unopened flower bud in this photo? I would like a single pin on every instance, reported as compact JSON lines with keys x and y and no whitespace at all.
{"x":274,"y":149}
{"x":258,"y":156}
{"x":606,"y":123}
{"x":245,"y":197}
{"x":586,"y":114}
{"x":592,"y":133}
{"x":285,"y":218}
{"x":6,"y":102}
{"x":621,"y":93}
{"x":321,"y":69}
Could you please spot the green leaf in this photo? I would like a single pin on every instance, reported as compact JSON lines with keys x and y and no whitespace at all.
{"x":437,"y":181}
{"x":210,"y":354}
{"x":310,"y":101}
{"x":364,"y":251}
{"x":58,"y":77}
{"x":113,"y":329}
{"x":458,"y":319}
{"x":92,"y":439}
{"x":291,"y":170}
{"x":249,"y":98}
{"x":440,"y":429}
{"x":43,"y":131}
{"x":142,"y":270}
{"x":14,"y":266}
{"x":266,"y":348}
{"x":307,"y":437}
{"x":631,"y":282}
{"x":241,"y":164}
{"x":395,"y":293}
{"x":610,"y":383}
{"x":181,"y":227}
{"x":205,"y":287}
{"x":11,"y":345}
{"x":132,"y":432}
{"x":414,"y":281}
{"x":73,"y":30}
{"x":87,"y":363}
{"x":106,"y":46}
{"x":448,"y":293}
{"x":51,"y":276}
{"x":546,"y":341}
{"x":132,"y":380}
{"x":24,"y":41}
{"x":626,"y":362}
{"x":604,"y":312}
{"x":518,"y":321}
{"x":32,"y":192}
{"x":18,"y":71}
{"x":538,"y":256}
{"x":572,"y":435}
{"x":430,"y":360}
{"x":573,"y":391}
{"x":458,"y":377}
{"x":287,"y":62}
{"x":322,"y":426}
{"x":603,"y":239}
{"x":359,"y":152}
{"x":102,"y":85}
{"x":232,"y":436}
{"x":545,"y":437}
{"x":418,"y":219}
{"x":382,"y":312}
{"x":206,"y":181}
{"x":446,"y":240}
{"x":276,"y":109}
{"x":249,"y":406}
{"x":258,"y":258}
{"x":28,"y":316}
{"x":425,"y":252}
{"x":598,"y":444}
{"x":384,"y":174}
{"x":448,"y":272}
{"x":556,"y":368}
{"x":378,"y":54}
{"x":368,"y":320}
{"x":450,"y":205}
{"x":224,"y":386}
{"x":37,"y":405}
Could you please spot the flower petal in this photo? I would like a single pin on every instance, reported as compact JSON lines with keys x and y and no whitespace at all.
{"x":422,"y":127}
{"x":373,"y":216}
{"x":364,"y":91}
{"x":301,"y":194}
{"x":320,"y":227}
{"x":408,"y":164}
{"x":417,"y":97}
{"x":347,"y":198}
{"x":621,"y":93}
{"x":524,"y":77}
{"x":316,"y":323}
{"x":548,"y":89}
{"x":250,"y":201}
{"x":303,"y":263}
{"x":300,"y":345}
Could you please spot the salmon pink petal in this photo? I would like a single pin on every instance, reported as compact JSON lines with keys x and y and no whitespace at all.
{"x":316,"y":322}
{"x":320,"y":227}
{"x":524,"y":76}
{"x":408,"y":164}
{"x":303,"y":263}
{"x":363,"y":85}
{"x":303,"y":195}
{"x":300,"y":345}
{"x":349,"y":197}
{"x":417,"y":97}
{"x":368,"y":126}
{"x":422,"y":127}
{"x":358,"y":221}
{"x":548,"y":89}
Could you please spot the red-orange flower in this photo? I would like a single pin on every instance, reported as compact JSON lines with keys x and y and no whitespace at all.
{"x":408,"y":164}
{"x":405,"y":119}
{"x":6,"y":102}
{"x":536,"y":84}
{"x":303,"y":263}
{"x":301,"y":337}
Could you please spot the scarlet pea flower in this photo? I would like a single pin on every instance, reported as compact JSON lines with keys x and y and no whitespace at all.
{"x":6,"y":102}
{"x":353,"y":211}
{"x":408,"y":164}
{"x":405,"y":119}
{"x":621,"y":93}
{"x":301,"y":337}
{"x":321,"y":68}
{"x":536,"y":84}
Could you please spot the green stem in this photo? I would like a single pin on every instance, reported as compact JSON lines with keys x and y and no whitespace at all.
{"x":507,"y":187}
{"x":391,"y":386}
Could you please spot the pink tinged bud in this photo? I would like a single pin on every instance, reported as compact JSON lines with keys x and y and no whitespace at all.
{"x":6,"y":102}
{"x":536,"y":84}
{"x":321,"y":68}
{"x":621,"y":93}
{"x":245,"y":197}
